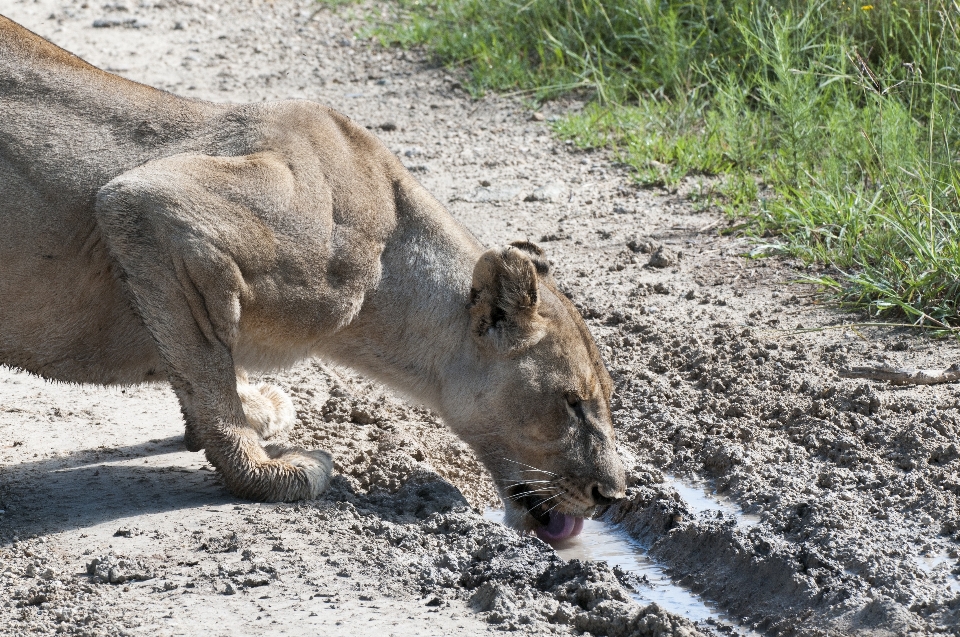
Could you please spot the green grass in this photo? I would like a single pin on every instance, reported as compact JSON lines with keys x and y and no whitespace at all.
{"x":847,"y":113}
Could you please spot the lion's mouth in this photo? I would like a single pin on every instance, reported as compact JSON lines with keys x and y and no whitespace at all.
{"x":554,"y":525}
{"x":536,"y":502}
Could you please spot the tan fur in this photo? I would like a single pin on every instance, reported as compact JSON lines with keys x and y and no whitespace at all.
{"x":150,"y":237}
{"x":268,"y":410}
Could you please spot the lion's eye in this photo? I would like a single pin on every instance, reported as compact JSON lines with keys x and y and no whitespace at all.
{"x":575,"y":403}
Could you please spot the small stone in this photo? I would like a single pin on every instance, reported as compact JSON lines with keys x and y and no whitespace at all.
{"x":362,"y":417}
{"x":641,"y":245}
{"x":130,"y":23}
{"x":253,"y":582}
{"x":388,"y":126}
{"x":537,"y":116}
{"x":123,"y":532}
{"x":551,"y":192}
{"x":662,"y":258}
{"x":228,"y":589}
{"x":485,"y":183}
{"x":113,"y":569}
{"x":488,"y":195}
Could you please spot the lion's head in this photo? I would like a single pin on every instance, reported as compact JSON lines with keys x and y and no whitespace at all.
{"x":537,"y":406}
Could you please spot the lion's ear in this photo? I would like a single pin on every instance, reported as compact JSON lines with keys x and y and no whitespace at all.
{"x":504,"y":298}
{"x":536,"y":254}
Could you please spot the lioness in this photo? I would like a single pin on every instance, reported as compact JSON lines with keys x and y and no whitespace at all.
{"x":149,"y":237}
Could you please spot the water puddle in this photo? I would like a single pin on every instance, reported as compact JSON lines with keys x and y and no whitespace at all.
{"x":701,"y":500}
{"x":940,"y":563}
{"x":600,"y":541}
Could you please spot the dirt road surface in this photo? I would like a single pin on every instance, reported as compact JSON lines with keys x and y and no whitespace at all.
{"x":109,"y":527}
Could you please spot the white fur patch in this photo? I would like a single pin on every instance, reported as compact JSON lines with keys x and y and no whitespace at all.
{"x":269,"y":411}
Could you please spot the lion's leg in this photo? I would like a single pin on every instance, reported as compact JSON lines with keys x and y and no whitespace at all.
{"x":185,"y":285}
{"x":192,"y":438}
{"x":268,"y":409}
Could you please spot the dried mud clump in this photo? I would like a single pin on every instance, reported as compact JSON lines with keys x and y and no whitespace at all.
{"x":663,"y":257}
{"x":511,"y":580}
{"x":114,"y":569}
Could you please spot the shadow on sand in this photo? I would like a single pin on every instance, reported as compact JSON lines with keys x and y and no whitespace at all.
{"x":91,"y":487}
{"x":88,"y":487}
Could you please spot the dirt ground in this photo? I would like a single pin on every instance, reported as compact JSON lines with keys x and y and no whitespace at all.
{"x":725,"y":373}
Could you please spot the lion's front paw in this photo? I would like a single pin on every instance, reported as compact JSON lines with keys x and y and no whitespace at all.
{"x":314,"y":465}
{"x":269,"y":411}
{"x":273,"y":473}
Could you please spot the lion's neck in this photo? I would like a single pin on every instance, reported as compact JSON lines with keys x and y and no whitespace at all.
{"x":413,"y":329}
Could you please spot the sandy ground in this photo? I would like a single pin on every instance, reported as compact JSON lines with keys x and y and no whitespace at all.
{"x":725,"y":374}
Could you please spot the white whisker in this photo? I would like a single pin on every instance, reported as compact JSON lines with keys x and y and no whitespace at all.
{"x":526,"y":493}
{"x":531,"y":468}
{"x":557,"y":495}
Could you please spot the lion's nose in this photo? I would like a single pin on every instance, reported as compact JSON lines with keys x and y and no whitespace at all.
{"x":603,"y":495}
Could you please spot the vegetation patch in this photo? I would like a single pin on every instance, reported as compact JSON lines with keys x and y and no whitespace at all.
{"x":831,"y":128}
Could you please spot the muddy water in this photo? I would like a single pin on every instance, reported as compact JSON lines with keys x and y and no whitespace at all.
{"x":940,"y":564}
{"x":700,"y":499}
{"x":600,"y":541}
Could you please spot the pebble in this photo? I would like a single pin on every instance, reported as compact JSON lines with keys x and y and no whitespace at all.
{"x":663,"y":257}
{"x":129,"y":23}
{"x":551,"y":192}
{"x":489,"y":195}
{"x":641,"y":245}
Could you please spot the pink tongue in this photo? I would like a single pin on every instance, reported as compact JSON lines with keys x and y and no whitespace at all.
{"x":560,"y":527}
